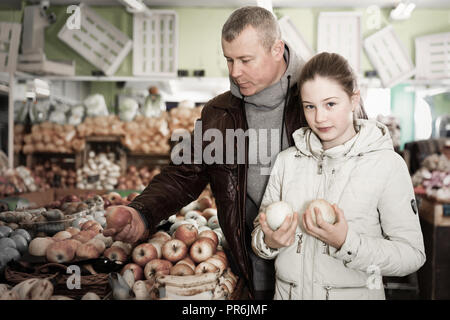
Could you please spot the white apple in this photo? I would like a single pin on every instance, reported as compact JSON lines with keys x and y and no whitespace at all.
{"x":213,"y":222}
{"x":195,"y":215}
{"x":276,"y":213}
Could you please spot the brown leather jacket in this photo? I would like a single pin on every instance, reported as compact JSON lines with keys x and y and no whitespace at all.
{"x":178,"y":185}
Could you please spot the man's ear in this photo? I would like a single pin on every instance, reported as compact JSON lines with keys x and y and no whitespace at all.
{"x":278,"y":49}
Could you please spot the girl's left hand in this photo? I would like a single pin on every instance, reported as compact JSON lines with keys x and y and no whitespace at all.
{"x":332,"y":234}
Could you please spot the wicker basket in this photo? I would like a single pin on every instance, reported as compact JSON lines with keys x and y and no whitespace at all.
{"x":97,"y":283}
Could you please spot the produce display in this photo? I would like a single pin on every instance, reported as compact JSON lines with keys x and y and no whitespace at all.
{"x":100,"y":172}
{"x":184,"y":118}
{"x":52,"y":137}
{"x":18,"y":180}
{"x":433,"y":177}
{"x":184,"y":260}
{"x":147,"y":135}
{"x":137,"y":179}
{"x":48,"y":175}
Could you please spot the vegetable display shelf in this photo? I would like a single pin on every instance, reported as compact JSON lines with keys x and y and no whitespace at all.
{"x":74,"y":159}
{"x":140,"y":159}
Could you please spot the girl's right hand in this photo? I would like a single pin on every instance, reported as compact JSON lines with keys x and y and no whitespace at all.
{"x":284,"y":236}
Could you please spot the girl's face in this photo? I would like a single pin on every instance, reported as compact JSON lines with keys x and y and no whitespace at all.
{"x":329,"y":110}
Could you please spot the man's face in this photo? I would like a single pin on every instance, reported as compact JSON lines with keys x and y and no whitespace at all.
{"x":251,"y":66}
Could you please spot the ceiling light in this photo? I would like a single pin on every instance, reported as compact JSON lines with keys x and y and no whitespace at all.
{"x":134,"y":5}
{"x":402,"y":11}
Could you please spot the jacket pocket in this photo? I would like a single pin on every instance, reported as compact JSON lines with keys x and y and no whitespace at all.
{"x":346,"y":293}
{"x":285,"y":289}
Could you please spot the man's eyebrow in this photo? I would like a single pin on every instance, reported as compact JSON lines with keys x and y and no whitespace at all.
{"x":240,"y":57}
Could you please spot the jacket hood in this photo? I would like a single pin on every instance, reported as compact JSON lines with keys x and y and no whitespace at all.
{"x":272,"y":96}
{"x":371,"y":136}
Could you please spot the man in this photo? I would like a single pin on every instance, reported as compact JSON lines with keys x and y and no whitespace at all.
{"x":263,"y":98}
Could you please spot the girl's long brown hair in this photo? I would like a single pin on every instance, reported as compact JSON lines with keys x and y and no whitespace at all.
{"x":332,"y":66}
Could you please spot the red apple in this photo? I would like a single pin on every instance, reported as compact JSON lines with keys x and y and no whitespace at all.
{"x":115,"y":198}
{"x":60,"y":252}
{"x":158,"y":244}
{"x":138,"y":272}
{"x":181,"y":270}
{"x":157,"y":267}
{"x":116,"y":254}
{"x":186,"y":233}
{"x":187,"y":261}
{"x":174,"y":250}
{"x":204,"y":203}
{"x":208,"y":213}
{"x":87,"y":251}
{"x":85,"y":235}
{"x":218,"y":262}
{"x":162,"y":235}
{"x":143,"y":253}
{"x":210,"y":234}
{"x":205,"y":267}
{"x":61,"y":235}
{"x":132,"y":195}
{"x":202,"y":249}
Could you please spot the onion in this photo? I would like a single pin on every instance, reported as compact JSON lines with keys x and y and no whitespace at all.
{"x":276,"y":213}
{"x":325,"y":208}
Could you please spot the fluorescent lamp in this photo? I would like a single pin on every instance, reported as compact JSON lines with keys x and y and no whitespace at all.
{"x":402,"y":11}
{"x":135,"y":5}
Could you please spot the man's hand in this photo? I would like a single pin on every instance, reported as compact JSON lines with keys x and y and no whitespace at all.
{"x":284,"y":236}
{"x":125,"y":224}
{"x":332,"y":234}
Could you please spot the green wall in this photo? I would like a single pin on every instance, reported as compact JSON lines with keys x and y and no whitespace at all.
{"x":200,"y":28}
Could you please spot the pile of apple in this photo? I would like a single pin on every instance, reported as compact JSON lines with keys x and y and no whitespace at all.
{"x":137,"y":179}
{"x":184,"y":118}
{"x":182,"y":256}
{"x":75,"y":244}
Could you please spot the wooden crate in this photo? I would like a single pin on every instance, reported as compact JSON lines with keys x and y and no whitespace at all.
{"x":434,"y":276}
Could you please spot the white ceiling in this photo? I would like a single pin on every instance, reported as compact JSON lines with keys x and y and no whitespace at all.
{"x":276,"y":3}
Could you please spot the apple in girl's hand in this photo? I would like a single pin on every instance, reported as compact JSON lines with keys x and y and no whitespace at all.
{"x":326,"y":209}
{"x":276,"y":213}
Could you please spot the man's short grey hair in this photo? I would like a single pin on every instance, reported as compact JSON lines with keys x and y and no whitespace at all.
{"x":262,"y":20}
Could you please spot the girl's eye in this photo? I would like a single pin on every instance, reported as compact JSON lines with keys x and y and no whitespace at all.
{"x":331,"y":104}
{"x":308,"y":106}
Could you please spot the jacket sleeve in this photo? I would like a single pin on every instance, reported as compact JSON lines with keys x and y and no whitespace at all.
{"x":401,"y":251}
{"x":271,"y":194}
{"x":176,"y":186}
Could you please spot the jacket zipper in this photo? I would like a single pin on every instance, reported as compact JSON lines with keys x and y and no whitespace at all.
{"x":299,"y":243}
{"x":291,"y":286}
{"x":329,"y":288}
{"x":320,"y":164}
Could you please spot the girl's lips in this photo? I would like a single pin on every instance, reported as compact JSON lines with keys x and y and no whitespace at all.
{"x":324,"y":129}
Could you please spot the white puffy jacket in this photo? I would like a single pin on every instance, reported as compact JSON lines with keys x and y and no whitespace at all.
{"x":372,"y":185}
